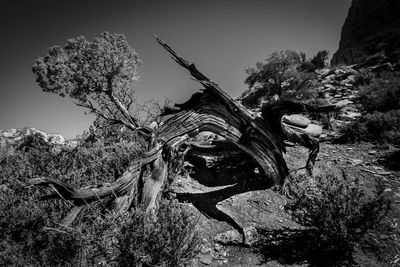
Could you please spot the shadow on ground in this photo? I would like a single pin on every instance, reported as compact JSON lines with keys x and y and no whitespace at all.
{"x":297,"y":246}
{"x":206,"y":203}
{"x":391,"y":160}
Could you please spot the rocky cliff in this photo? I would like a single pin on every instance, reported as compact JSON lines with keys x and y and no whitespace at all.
{"x":372,"y":27}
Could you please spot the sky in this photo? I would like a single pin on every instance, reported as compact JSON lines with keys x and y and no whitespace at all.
{"x":222,"y":37}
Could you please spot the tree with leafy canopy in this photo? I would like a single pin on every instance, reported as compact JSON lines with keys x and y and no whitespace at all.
{"x":98,"y":75}
{"x":278,"y":76}
{"x":271,"y":74}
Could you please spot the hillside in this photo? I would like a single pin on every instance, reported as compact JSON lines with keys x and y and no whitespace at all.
{"x":372,"y":27}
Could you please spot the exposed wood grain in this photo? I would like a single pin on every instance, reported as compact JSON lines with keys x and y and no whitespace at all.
{"x":260,"y":139}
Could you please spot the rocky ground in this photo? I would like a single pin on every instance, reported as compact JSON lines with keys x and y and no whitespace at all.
{"x":222,"y":244}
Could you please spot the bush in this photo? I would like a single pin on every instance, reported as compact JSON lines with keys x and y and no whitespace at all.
{"x":319,"y":60}
{"x":168,"y":238}
{"x":382,"y":94}
{"x":384,"y":242}
{"x":307,"y":66}
{"x":24,"y":239}
{"x":337,"y":210}
{"x":378,"y":126}
{"x":353,"y":132}
{"x":380,"y":99}
{"x":30,"y":234}
{"x":363,"y":77}
{"x":87,"y":163}
{"x":383,"y":126}
{"x":253,"y":98}
{"x":276,"y":74}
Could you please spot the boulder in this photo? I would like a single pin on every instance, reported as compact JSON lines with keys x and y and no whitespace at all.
{"x":349,"y":80}
{"x":343,"y":103}
{"x":312,"y":129}
{"x":233,"y":237}
{"x":330,"y":77}
{"x":349,"y":115}
{"x":329,"y":86}
{"x":296,"y":120}
{"x":326,"y":72}
{"x":55,"y":139}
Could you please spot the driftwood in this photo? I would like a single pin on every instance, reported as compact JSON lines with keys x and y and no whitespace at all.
{"x":248,"y":142}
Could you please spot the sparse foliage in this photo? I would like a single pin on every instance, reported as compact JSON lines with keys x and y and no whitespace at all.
{"x":383,"y":127}
{"x":380,"y":100}
{"x":138,"y":238}
{"x":87,"y":163}
{"x":97,"y":74}
{"x":382,"y":94}
{"x":337,"y":209}
{"x":30,"y":233}
{"x":271,"y":74}
{"x":151,"y":110}
{"x":277,"y":76}
{"x":319,"y":60}
{"x":24,"y":239}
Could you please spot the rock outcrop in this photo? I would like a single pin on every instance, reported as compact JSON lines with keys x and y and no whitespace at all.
{"x":371,"y":32}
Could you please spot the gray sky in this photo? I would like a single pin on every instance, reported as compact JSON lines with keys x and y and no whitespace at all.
{"x":222,"y":37}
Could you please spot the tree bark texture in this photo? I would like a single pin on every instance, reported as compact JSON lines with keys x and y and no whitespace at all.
{"x":250,"y":155}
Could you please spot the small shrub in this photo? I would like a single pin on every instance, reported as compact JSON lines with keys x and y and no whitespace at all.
{"x":363,"y":77}
{"x":384,"y":242}
{"x":24,"y":239}
{"x":30,"y":234}
{"x":87,"y":163}
{"x":307,"y":66}
{"x":167,"y":238}
{"x":353,"y":132}
{"x":319,"y":60}
{"x":337,"y":210}
{"x":382,"y":94}
{"x":391,"y":160}
{"x":383,"y":126}
{"x":378,"y":126}
{"x":301,"y":87}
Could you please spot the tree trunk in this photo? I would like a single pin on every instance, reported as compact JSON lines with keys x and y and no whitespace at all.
{"x":248,"y":156}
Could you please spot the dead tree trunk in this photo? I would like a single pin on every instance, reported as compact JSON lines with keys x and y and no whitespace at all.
{"x":257,"y":141}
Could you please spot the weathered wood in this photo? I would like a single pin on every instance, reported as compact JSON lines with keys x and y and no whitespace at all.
{"x":260,"y":139}
{"x":216,"y":111}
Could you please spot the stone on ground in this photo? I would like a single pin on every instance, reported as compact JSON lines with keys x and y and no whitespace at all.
{"x":296,"y":120}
